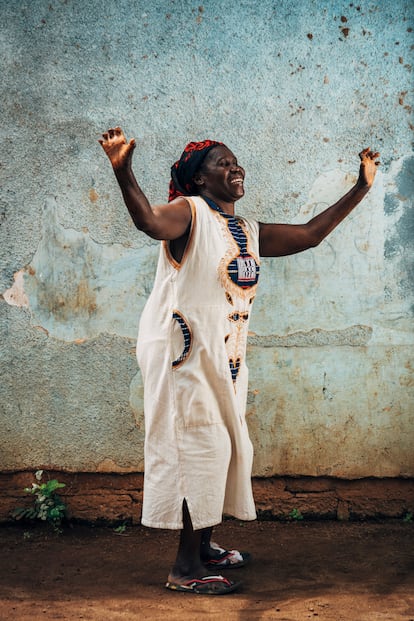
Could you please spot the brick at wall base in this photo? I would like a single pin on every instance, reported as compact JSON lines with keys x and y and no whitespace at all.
{"x":96,"y":497}
{"x":330,"y":498}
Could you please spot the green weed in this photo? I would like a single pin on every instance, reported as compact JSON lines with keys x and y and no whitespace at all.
{"x":47,"y":505}
{"x":296,"y":515}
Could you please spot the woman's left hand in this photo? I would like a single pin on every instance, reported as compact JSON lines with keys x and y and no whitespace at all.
{"x":368,"y":167}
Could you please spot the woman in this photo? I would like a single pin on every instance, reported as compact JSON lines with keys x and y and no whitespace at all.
{"x":192,"y":344}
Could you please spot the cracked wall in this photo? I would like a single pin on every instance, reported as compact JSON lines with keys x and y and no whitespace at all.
{"x":296,"y":91}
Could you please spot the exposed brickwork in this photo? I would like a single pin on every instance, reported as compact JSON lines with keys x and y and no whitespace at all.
{"x":342,"y":499}
{"x":116,"y":497}
{"x":88,"y":496}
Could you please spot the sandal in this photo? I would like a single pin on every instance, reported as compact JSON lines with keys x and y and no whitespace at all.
{"x":227,"y":559}
{"x":208,"y":585}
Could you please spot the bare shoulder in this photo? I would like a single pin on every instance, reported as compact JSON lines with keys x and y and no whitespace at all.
{"x":173,"y":218}
{"x":179,"y":207}
{"x":182,"y":203}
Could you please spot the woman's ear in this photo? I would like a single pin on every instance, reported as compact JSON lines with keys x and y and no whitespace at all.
{"x":198,"y":179}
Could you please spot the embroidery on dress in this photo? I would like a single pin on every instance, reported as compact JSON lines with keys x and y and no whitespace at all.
{"x":234,"y":368}
{"x":239,"y":272}
{"x":186,"y":332}
{"x":238,"y":316}
{"x":239,"y":268}
{"x":236,"y":342}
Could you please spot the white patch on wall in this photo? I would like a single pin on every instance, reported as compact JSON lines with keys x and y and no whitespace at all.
{"x":77,"y":289}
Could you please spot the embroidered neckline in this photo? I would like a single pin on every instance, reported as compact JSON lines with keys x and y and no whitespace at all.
{"x":216,"y":207}
{"x":242,"y":268}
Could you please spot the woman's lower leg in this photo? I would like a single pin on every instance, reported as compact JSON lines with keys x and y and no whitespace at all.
{"x":188,"y":561}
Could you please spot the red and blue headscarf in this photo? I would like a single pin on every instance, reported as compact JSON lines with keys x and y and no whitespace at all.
{"x":183,"y":171}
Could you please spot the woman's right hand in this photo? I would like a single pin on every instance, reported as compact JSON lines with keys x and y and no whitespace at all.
{"x":117,"y":148}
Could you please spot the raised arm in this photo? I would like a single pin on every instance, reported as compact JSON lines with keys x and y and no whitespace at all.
{"x":277,"y":240}
{"x":168,"y":221}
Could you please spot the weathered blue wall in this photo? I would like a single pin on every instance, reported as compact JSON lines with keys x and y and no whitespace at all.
{"x":296,"y":89}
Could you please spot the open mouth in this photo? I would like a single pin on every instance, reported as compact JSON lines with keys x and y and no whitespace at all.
{"x":237,"y":181}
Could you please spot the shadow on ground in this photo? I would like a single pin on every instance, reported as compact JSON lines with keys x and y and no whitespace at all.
{"x":328,"y":571}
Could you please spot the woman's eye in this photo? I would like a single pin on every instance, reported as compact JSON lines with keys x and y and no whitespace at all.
{"x":227,"y":163}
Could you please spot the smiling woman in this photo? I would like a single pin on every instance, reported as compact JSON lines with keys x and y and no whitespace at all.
{"x":192,"y":345}
{"x":184,"y":169}
{"x":221,"y":178}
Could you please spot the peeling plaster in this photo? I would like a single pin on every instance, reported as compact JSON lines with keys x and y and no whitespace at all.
{"x":349,"y":276}
{"x":77,"y":288}
{"x":15,"y":296}
{"x":399,"y":246}
{"x":355,"y":336}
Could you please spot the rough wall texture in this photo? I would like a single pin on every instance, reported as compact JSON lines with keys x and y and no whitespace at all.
{"x":118,"y":497}
{"x":296,"y":89}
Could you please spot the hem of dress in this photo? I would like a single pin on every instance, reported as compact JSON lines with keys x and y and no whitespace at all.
{"x":209,"y":524}
{"x":176,"y":526}
{"x":245,"y":517}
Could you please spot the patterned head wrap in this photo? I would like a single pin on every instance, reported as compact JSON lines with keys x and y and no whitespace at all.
{"x":183,"y":171}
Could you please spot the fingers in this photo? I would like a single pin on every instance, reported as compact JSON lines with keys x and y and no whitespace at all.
{"x":364,"y":152}
{"x":116,"y":131}
{"x":113,"y":132}
{"x":368,"y":153}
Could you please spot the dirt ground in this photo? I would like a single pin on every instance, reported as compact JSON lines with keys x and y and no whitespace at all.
{"x":330,"y":571}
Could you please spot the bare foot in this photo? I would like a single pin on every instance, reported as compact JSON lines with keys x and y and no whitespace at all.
{"x":180,"y":575}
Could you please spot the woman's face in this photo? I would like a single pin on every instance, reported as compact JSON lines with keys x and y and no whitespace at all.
{"x":220,"y":176}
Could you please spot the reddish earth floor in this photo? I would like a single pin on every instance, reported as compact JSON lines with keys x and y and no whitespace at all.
{"x":329,"y":571}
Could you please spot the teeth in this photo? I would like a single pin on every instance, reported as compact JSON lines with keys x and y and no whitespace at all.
{"x":237,"y":181}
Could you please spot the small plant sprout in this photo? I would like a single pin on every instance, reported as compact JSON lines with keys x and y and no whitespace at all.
{"x":408,"y":517}
{"x":296,"y":515}
{"x":47,"y":505}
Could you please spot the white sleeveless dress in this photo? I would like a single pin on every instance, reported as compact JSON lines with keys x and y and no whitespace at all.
{"x":191,"y":350}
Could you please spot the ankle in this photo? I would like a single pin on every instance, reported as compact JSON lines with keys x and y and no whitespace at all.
{"x":205,"y":548}
{"x":189,"y":569}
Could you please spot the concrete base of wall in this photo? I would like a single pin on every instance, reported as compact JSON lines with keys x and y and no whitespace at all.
{"x":115,"y":498}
